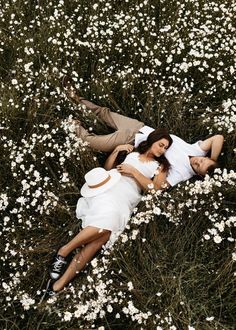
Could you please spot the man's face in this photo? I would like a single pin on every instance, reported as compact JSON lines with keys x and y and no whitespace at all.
{"x":201,"y":164}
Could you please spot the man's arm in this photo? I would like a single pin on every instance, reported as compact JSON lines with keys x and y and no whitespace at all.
{"x":215,"y":144}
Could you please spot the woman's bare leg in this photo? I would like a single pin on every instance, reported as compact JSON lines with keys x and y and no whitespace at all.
{"x":80,"y":260}
{"x":85,"y":236}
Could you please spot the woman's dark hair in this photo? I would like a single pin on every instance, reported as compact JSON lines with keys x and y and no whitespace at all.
{"x":158,"y":134}
{"x":120,"y":158}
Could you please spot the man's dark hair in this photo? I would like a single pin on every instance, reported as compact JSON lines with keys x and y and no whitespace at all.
{"x":212,"y":167}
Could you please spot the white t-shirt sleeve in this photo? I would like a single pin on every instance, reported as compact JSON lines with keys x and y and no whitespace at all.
{"x":174,"y":177}
{"x":198,"y":150}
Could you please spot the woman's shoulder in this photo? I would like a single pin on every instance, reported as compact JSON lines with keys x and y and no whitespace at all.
{"x":133,"y":154}
{"x":132,"y":157}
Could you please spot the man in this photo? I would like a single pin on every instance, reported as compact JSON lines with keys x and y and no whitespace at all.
{"x":186,"y":159}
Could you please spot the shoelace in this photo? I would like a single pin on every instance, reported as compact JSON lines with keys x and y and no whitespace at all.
{"x":47,"y":291}
{"x":58,"y":264}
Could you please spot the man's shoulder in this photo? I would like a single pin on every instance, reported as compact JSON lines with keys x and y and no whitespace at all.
{"x":177,"y":139}
{"x":178,"y":146}
{"x":179,"y":174}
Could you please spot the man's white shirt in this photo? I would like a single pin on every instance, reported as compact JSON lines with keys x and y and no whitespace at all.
{"x":178,"y":156}
{"x":142,"y":135}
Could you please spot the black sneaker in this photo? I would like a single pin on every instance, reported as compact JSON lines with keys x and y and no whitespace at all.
{"x":48,"y":292}
{"x":58,"y":267}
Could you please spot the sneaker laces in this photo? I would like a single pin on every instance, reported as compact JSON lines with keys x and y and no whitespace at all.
{"x":58,"y":264}
{"x":48,"y":291}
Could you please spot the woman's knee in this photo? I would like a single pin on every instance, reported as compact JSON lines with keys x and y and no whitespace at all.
{"x":103,"y":239}
{"x":107,"y":235}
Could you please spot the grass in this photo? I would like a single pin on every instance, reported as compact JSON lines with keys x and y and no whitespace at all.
{"x":165,"y":63}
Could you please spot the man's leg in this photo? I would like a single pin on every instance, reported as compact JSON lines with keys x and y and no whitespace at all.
{"x":125,"y":127}
{"x":113,"y":119}
{"x":105,"y":143}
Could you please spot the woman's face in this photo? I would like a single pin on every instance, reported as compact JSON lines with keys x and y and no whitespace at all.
{"x":159,"y":147}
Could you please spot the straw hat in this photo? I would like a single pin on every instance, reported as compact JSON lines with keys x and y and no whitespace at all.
{"x":98,"y":180}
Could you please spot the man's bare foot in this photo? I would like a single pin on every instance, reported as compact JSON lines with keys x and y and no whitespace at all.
{"x":70,"y":91}
{"x":75,"y":122}
{"x":73,"y":125}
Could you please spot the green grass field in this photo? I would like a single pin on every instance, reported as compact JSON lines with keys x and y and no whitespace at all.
{"x":166,"y":63}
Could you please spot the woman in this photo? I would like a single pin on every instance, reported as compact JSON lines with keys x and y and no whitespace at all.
{"x":109,"y":197}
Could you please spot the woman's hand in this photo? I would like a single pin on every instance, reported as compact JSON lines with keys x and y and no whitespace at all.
{"x":126,"y":169}
{"x":111,"y":160}
{"x":124,"y":147}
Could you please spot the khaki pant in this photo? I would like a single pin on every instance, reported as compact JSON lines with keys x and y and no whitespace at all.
{"x":125,"y":127}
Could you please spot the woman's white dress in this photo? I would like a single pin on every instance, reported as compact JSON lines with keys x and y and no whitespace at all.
{"x":112,"y":209}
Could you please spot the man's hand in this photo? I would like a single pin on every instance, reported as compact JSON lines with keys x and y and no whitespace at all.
{"x":213,"y":144}
{"x":124,"y":147}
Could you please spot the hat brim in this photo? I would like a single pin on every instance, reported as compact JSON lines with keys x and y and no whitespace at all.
{"x":86,"y":191}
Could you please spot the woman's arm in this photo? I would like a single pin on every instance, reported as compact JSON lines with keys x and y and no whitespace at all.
{"x":215,"y":144}
{"x":159,"y":180}
{"x":109,"y":164}
{"x":144,"y":182}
